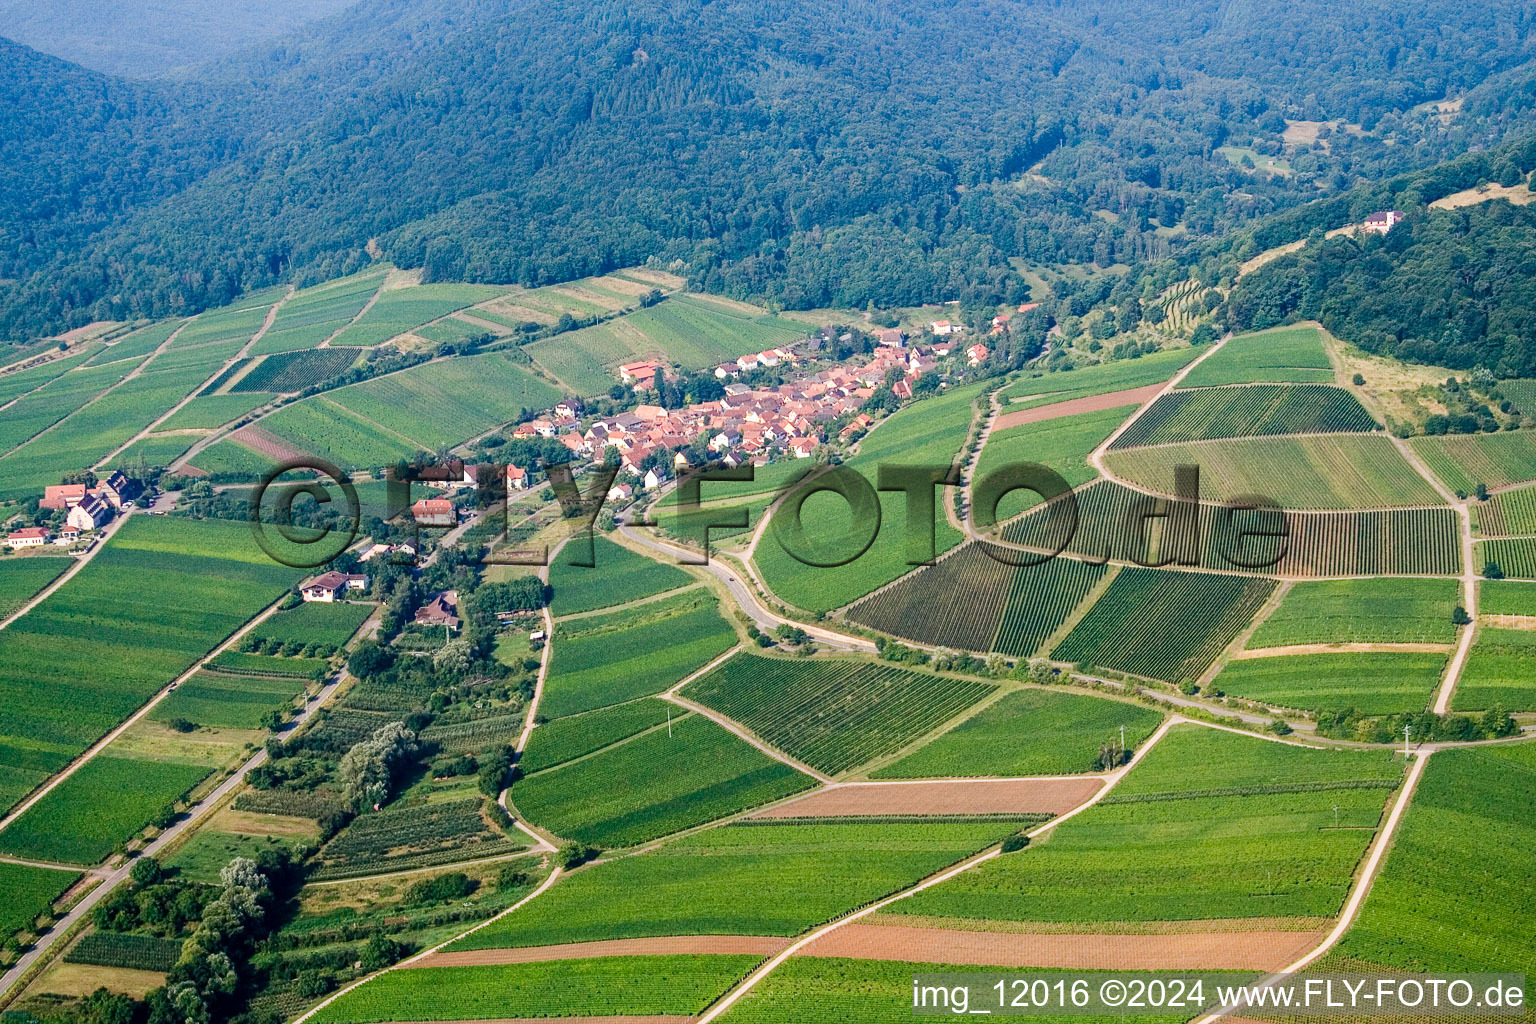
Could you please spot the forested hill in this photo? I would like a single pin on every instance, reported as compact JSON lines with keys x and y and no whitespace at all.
{"x":1451,"y":287}
{"x":810,"y":153}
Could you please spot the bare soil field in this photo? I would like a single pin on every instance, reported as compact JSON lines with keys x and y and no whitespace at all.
{"x":968,"y":796}
{"x":1093,"y":403}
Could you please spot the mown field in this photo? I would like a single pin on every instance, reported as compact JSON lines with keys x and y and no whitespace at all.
{"x":1335,"y":472}
{"x":833,"y":715}
{"x":1101,"y":379}
{"x":163,"y":593}
{"x":637,"y":985}
{"x":1256,"y":817}
{"x":1028,"y":732}
{"x":1251,"y":411}
{"x":1063,"y":444}
{"x":397,"y":310}
{"x":563,"y":739}
{"x":609,"y":659}
{"x":1455,"y":893}
{"x":106,"y":801}
{"x":314,"y":314}
{"x":1373,"y":682}
{"x":22,"y":578}
{"x":748,"y":878}
{"x":28,"y":892}
{"x":1280,"y":355}
{"x":1462,"y":461}
{"x":1500,"y":669}
{"x":696,"y":774}
{"x":1362,"y":611}
{"x":930,"y":432}
{"x":618,"y":576}
{"x":1164,"y":625}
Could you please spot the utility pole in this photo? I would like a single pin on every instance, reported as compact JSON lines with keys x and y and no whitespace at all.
{"x":1406,"y":730}
{"x":669,"y":721}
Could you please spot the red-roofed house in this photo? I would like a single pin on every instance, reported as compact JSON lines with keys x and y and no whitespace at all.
{"x":27,"y":537}
{"x":328,"y":586}
{"x":62,"y":496}
{"x":517,"y":478}
{"x":977,"y":354}
{"x":434,"y":512}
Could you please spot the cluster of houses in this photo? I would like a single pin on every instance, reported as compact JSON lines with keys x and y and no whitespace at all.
{"x":89,"y":508}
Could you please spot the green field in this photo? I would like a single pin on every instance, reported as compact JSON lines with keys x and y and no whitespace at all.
{"x":209,"y":851}
{"x":1042,"y":599}
{"x":1509,"y":513}
{"x":753,"y":878}
{"x":28,"y":892}
{"x":613,"y":658}
{"x":398,"y":310}
{"x":409,"y":835}
{"x":314,"y":314}
{"x":1120,"y":375}
{"x":1063,"y":444}
{"x":1462,"y":461}
{"x":218,"y":701}
{"x":162,"y":594}
{"x":559,"y":741}
{"x":834,"y":714}
{"x":697,"y":774}
{"x":635,"y":985}
{"x":929,"y":432}
{"x":1028,"y":732}
{"x":315,"y":622}
{"x":1334,"y":472}
{"x":241,"y":663}
{"x":156,"y":451}
{"x":209,"y":411}
{"x":1506,"y":597}
{"x":1250,"y":411}
{"x":618,"y":576}
{"x":1516,"y":556}
{"x":1283,"y":354}
{"x":21,"y":578}
{"x":106,"y":801}
{"x":228,"y":456}
{"x":1375,"y":682}
{"x":1455,"y":894}
{"x":57,"y":399}
{"x":1500,"y":669}
{"x":1164,"y":625}
{"x":1210,"y":825}
{"x":1362,"y":611}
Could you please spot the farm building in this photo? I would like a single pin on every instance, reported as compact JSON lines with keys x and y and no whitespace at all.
{"x":60,"y":496}
{"x":28,"y":537}
{"x":1382,"y":221}
{"x":67,"y":535}
{"x":328,"y":586}
{"x":119,"y":489}
{"x":90,"y":512}
{"x":642,"y":372}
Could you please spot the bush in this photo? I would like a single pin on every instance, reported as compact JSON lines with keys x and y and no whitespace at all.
{"x":512,"y":877}
{"x":1460,"y":617}
{"x":146,"y":871}
{"x":453,"y":886}
{"x":574,"y":855}
{"x":1492,"y":571}
{"x":310,"y":984}
{"x":1358,"y":379}
{"x":180,"y":725}
{"x":381,"y":952}
{"x":1015,"y":842}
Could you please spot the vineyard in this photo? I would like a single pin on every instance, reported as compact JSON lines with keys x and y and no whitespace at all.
{"x":314,"y":314}
{"x":1374,"y":683}
{"x":330,"y":623}
{"x":106,"y":802}
{"x":1501,"y":669}
{"x":565,"y":739}
{"x":210,"y":411}
{"x":618,"y":576}
{"x":1506,"y":597}
{"x":1260,"y":854}
{"x":1362,"y":611}
{"x":1164,"y":625}
{"x":1516,"y":557}
{"x":1280,"y":355}
{"x":956,"y":602}
{"x":284,"y":372}
{"x":696,"y":774}
{"x":1507,"y":513}
{"x":400,"y":838}
{"x":20,"y":578}
{"x":1330,"y":472}
{"x":752,"y":878}
{"x":238,"y":663}
{"x":474,"y":735}
{"x":1255,"y":410}
{"x":398,"y":310}
{"x":1462,"y":461}
{"x":1042,"y":599}
{"x":1420,"y":912}
{"x":1028,"y":732}
{"x":833,"y":715}
{"x":134,"y":952}
{"x":218,"y":701}
{"x":29,"y":892}
{"x":1182,"y":305}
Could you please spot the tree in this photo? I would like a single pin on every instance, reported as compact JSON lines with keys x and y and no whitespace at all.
{"x":146,"y":871}
{"x":380,"y":952}
{"x":1460,"y":617}
{"x":366,"y":771}
{"x":1492,"y":571}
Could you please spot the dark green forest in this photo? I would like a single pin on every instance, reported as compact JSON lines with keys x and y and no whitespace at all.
{"x":806,"y":154}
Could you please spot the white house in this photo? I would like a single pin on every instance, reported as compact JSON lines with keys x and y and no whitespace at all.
{"x":328,"y":586}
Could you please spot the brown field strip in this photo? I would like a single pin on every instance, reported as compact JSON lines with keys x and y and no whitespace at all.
{"x":1249,"y":951}
{"x":660,"y":945}
{"x":1348,"y":647}
{"x":622,"y":1019}
{"x":1071,"y":407}
{"x":960,"y":796}
{"x":1509,"y":621}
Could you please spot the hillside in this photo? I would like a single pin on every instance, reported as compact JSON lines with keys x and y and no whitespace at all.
{"x":802,"y":154}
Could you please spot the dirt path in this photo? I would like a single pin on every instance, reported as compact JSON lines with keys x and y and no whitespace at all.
{"x":1210,"y":951}
{"x":165,"y":691}
{"x":266,"y":325}
{"x":1071,"y":407}
{"x":725,"y":1002}
{"x":738,"y":730}
{"x":105,"y":535}
{"x":663,"y":945}
{"x":383,"y":283}
{"x":192,"y":819}
{"x":1096,"y":457}
{"x":1044,"y":795}
{"x":1351,"y":647}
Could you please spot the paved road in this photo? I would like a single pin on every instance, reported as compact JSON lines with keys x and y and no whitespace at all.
{"x":69,"y":574}
{"x":192,"y":819}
